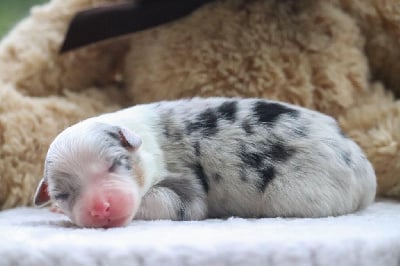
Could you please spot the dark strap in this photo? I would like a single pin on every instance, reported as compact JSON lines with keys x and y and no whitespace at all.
{"x":100,"y":23}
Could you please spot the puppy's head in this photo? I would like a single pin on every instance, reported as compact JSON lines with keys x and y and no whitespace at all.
{"x":92,"y":172}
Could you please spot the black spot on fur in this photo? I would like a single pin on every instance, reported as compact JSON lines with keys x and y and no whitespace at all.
{"x":268,"y":113}
{"x":281,"y":153}
{"x":252,"y":159}
{"x":198,"y":170}
{"x":247,"y":127}
{"x":228,"y":110}
{"x":266,"y":175}
{"x":206,"y":123}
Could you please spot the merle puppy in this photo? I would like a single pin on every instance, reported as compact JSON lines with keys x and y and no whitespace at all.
{"x":198,"y":158}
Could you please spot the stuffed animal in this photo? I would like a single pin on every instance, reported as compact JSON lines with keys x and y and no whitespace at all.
{"x":338,"y":57}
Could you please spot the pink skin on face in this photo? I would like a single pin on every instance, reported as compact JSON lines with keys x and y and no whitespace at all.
{"x":107,"y":200}
{"x":105,"y":205}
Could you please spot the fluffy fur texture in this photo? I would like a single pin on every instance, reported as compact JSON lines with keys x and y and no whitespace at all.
{"x":338,"y":57}
{"x":215,"y":157}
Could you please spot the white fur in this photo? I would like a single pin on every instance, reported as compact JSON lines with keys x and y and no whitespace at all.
{"x":143,"y":121}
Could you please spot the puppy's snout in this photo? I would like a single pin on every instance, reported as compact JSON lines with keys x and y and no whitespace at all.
{"x":105,"y":207}
{"x":100,"y":209}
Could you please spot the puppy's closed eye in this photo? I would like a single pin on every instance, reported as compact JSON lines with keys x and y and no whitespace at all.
{"x":62,"y":196}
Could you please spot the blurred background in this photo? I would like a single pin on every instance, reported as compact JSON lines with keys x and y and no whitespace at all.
{"x":11,"y":11}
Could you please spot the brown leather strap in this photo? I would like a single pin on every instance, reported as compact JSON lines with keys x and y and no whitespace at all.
{"x":101,"y":23}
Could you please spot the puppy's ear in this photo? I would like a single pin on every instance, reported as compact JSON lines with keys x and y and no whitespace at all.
{"x":129,"y":139}
{"x":42,"y":195}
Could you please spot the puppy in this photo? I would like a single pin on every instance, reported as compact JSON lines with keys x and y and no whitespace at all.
{"x":197,"y":158}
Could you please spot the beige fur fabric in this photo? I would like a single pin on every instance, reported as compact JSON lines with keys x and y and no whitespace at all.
{"x":339,"y":57}
{"x":310,"y":53}
{"x":41,"y":93}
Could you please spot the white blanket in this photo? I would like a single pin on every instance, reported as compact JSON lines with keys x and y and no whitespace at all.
{"x":38,"y":237}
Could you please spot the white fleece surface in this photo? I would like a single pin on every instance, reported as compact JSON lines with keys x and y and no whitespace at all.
{"x":38,"y":237}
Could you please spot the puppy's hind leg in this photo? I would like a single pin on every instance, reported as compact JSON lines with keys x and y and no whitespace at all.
{"x":176,"y":198}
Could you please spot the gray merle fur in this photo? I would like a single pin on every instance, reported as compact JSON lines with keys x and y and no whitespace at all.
{"x":248,"y":145}
{"x":228,"y":110}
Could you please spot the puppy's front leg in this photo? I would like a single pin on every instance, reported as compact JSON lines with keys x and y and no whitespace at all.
{"x":175,"y":198}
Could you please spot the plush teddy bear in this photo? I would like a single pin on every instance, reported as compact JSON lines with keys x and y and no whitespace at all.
{"x":339,"y":57}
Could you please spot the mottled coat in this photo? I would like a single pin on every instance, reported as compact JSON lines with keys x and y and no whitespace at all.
{"x":214,"y":157}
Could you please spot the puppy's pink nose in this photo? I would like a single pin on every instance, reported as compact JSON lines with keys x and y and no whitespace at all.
{"x":100,"y":209}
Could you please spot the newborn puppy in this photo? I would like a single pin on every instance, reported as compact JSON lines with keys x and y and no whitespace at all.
{"x":199,"y":158}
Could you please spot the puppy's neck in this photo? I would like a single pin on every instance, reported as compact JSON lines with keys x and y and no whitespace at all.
{"x":149,"y":169}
